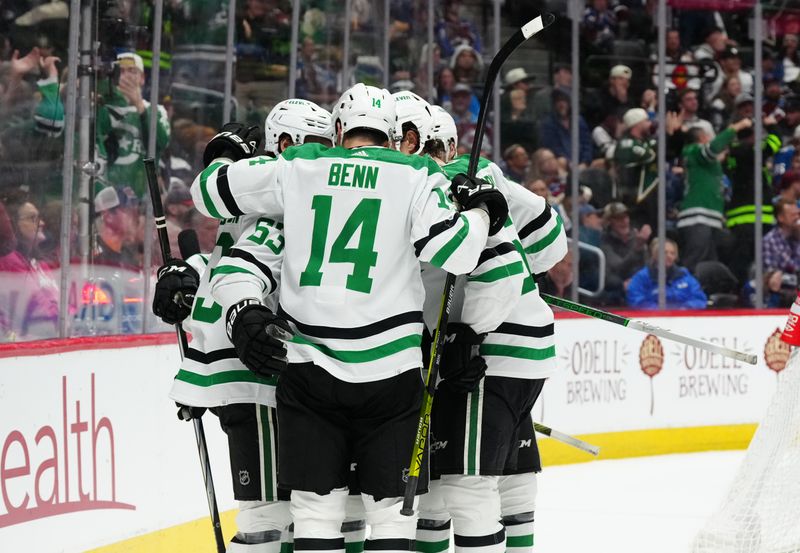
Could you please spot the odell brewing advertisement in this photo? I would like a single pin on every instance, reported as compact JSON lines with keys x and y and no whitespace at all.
{"x":613,"y":378}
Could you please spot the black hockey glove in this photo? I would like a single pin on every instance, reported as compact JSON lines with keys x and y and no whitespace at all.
{"x":235,"y":141}
{"x":175,"y":290}
{"x":256,"y":334}
{"x":462,"y":368}
{"x":471,"y":192}
{"x":187,"y":413}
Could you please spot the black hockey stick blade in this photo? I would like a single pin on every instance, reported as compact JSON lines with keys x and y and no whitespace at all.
{"x":188,"y":244}
{"x":532,"y":27}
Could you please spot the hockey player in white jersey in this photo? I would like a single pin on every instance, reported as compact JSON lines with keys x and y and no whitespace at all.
{"x":357,"y":220}
{"x":482,"y":442}
{"x":212,"y":376}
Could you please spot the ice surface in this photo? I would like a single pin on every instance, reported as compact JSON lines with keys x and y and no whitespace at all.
{"x":646,"y":504}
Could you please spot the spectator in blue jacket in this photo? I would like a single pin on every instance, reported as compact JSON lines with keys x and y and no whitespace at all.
{"x":554,"y":130}
{"x":683,"y":290}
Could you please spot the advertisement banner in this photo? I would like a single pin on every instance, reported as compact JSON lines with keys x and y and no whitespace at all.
{"x":92,"y":453}
{"x":91,"y":450}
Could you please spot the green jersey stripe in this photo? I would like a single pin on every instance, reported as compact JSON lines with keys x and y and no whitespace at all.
{"x":498,"y":273}
{"x":204,"y":176}
{"x":224,"y":377}
{"x":474,"y":423}
{"x":311,"y":152}
{"x":519,"y":352}
{"x":432,"y":546}
{"x":441,"y":257}
{"x":265,"y":423}
{"x":365,"y":355}
{"x":231,"y":269}
{"x":519,"y":541}
{"x":547,"y":240}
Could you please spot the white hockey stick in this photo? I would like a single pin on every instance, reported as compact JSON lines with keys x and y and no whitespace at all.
{"x":567,"y":439}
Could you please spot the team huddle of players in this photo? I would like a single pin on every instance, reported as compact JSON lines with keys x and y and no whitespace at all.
{"x":311,"y":319}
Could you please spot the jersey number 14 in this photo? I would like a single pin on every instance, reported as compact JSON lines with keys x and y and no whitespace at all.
{"x":363,"y":219}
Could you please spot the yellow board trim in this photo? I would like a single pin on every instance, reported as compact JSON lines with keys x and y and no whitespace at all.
{"x":641,"y":443}
{"x":197,"y":537}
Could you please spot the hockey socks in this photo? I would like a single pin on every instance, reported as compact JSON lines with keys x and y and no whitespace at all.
{"x":354,"y":532}
{"x":519,"y":533}
{"x":433,"y":536}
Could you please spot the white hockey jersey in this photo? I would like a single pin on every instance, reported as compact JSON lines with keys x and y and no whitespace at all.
{"x":523,"y":346}
{"x":357,"y":223}
{"x":211,"y":373}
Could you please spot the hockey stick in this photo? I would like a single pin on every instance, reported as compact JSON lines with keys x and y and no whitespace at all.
{"x":643,"y":326}
{"x":524,"y":33}
{"x":199,"y":432}
{"x":566,"y":438}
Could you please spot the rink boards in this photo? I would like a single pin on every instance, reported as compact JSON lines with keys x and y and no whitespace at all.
{"x":94,"y":458}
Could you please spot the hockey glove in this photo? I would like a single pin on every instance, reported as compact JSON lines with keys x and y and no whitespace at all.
{"x":462,"y":368}
{"x":175,"y":290}
{"x":235,"y":141}
{"x":471,"y":192}
{"x":187,"y":413}
{"x":254,"y":332}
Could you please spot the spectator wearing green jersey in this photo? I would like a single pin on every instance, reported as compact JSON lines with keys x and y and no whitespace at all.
{"x":123,"y":123}
{"x":701,"y":220}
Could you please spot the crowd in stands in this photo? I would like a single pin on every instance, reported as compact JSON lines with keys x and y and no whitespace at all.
{"x":710,"y":145}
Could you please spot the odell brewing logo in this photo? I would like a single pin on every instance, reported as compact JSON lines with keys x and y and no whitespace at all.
{"x":651,"y":361}
{"x":73,"y":468}
{"x":776,"y":351}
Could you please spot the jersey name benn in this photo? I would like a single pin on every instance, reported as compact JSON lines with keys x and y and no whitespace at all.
{"x":353,"y":175}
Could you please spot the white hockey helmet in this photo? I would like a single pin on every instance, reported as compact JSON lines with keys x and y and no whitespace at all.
{"x":299,"y":119}
{"x":411,"y":108}
{"x":444,"y":127}
{"x":368,"y":107}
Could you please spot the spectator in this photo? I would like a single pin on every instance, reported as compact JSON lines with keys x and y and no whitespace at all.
{"x":34,"y":313}
{"x":545,"y":166}
{"x":113,"y":224}
{"x":770,"y":68}
{"x":624,"y":248}
{"x":605,"y":136}
{"x":517,"y":120}
{"x":635,"y":158}
{"x":790,"y":58}
{"x":614,"y":98}
{"x":782,"y":243}
{"x":311,"y":82}
{"x":724,"y":103}
{"x":554,"y":131}
{"x":689,"y":104}
{"x":123,"y":125}
{"x":789,"y":123}
{"x":462,"y":105}
{"x":205,"y":227}
{"x":558,"y":280}
{"x":676,"y":53}
{"x":744,"y":107}
{"x":591,"y":229}
{"x":516,"y":162}
{"x":454,"y":30}
{"x":683,"y":291}
{"x":790,"y":188}
{"x":780,"y":290}
{"x":599,"y":26}
{"x":543,"y":99}
{"x":714,"y":43}
{"x":444,"y":88}
{"x":741,"y":209}
{"x":774,"y":101}
{"x":730,"y":65}
{"x":176,"y":204}
{"x":700,"y":220}
{"x":466,"y":64}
